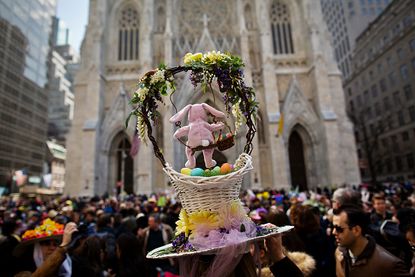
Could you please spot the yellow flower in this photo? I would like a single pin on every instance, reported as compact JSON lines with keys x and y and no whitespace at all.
{"x":213,"y":57}
{"x":202,"y":222}
{"x":197,"y":57}
{"x":182,"y":225}
{"x":190,"y":58}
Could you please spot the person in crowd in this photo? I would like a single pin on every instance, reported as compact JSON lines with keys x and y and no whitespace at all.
{"x":316,"y":243}
{"x":380,"y":213}
{"x":7,"y":245}
{"x":88,"y":258}
{"x":357,"y":254}
{"x":273,"y":254}
{"x":106,"y":232}
{"x":130,"y":259}
{"x":410,"y":236}
{"x":232,"y":261}
{"x":155,"y":235}
{"x":291,"y":241}
{"x":45,"y":256}
{"x":342,"y":196}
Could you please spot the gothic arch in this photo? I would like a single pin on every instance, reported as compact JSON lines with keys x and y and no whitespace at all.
{"x":300,"y":117}
{"x":301,"y":157}
{"x":121,"y":164}
{"x":130,"y":32}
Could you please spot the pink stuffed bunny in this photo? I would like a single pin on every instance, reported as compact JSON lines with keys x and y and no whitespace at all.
{"x":198,"y":132}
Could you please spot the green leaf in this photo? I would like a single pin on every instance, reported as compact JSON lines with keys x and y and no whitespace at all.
{"x":128,"y":118}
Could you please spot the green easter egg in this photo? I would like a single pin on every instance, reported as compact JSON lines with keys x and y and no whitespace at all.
{"x":216,"y":171}
{"x":207,"y":173}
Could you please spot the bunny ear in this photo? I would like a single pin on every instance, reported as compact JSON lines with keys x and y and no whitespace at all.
{"x":179,"y":116}
{"x":213,"y":111}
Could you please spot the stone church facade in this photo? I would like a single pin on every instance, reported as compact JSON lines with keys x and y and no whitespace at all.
{"x":289,"y":62}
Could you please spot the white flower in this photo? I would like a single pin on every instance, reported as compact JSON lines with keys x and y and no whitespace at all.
{"x":239,"y":119}
{"x":157,"y":77}
{"x":142,"y":129}
{"x":142,"y":93}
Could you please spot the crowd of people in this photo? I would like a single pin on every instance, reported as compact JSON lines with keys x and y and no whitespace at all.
{"x":342,"y":232}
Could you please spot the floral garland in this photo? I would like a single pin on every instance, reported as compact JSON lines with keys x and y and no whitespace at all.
{"x":47,"y":229}
{"x":226,"y":69}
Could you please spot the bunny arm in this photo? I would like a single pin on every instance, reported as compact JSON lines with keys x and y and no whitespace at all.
{"x":215,"y":126}
{"x":183,"y":131}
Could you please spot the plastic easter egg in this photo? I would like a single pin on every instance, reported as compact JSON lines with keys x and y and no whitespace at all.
{"x":197,"y":172}
{"x":215,"y":171}
{"x":185,"y":171}
{"x":225,"y":168}
{"x":207,"y":173}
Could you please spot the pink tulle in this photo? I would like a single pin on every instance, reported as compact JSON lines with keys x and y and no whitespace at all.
{"x":216,"y":238}
{"x":222,"y":264}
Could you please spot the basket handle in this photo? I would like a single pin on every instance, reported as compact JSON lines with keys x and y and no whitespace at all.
{"x":158,"y":153}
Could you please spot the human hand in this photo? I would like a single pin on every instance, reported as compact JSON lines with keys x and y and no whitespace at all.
{"x":275,"y":248}
{"x":70,"y":228}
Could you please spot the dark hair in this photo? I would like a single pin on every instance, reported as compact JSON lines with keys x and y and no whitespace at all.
{"x":378,"y":196}
{"x":355,"y":216}
{"x":406,"y":217}
{"x":156,"y":217}
{"x":131,"y":260}
{"x":87,"y":258}
{"x":8,"y":227}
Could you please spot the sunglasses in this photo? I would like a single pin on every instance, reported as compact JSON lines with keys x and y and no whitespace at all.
{"x":339,"y":229}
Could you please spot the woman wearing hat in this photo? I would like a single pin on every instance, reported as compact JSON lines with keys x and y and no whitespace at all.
{"x":42,"y":251}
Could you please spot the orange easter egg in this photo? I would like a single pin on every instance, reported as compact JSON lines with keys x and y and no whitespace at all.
{"x":225,"y":168}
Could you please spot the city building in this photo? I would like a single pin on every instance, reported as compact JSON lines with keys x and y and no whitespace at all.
{"x":289,"y":62}
{"x":24,"y":50}
{"x":54,"y":175}
{"x":380,"y":94}
{"x":345,"y":20}
{"x":63,"y":67}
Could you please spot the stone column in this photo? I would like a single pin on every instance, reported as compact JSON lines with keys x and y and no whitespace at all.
{"x":271,"y":96}
{"x":146,"y":29}
{"x":168,"y":57}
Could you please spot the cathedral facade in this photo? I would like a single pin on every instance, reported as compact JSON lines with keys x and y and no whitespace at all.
{"x":288,"y":61}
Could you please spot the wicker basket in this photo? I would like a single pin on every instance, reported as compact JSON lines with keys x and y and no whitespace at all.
{"x":209,"y":193}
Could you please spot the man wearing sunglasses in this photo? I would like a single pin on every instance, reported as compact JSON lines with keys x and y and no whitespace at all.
{"x":357,"y":254}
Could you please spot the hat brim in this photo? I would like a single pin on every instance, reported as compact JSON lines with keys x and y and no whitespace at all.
{"x":22,"y":247}
{"x":164,"y":253}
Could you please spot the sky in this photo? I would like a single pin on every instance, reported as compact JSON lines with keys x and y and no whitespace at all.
{"x":75,"y":15}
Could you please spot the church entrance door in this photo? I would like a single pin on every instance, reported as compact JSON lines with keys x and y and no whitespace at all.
{"x":297,"y":162}
{"x":124,"y":164}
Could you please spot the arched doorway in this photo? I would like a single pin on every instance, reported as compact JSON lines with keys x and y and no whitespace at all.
{"x":297,"y":161}
{"x":122,"y":164}
{"x":217,"y":156}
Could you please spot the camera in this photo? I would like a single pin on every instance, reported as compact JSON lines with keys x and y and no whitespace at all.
{"x":82,"y":233}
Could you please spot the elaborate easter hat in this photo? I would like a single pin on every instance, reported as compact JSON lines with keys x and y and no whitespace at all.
{"x":212,"y":215}
{"x":48,"y":230}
